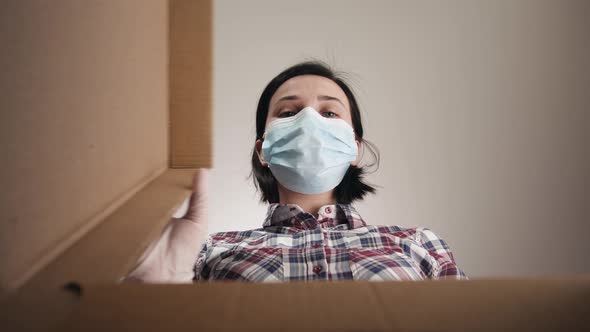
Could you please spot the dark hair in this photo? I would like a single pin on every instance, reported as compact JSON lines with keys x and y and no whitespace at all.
{"x":351,"y":187}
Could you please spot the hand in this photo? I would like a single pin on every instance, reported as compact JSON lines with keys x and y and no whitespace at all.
{"x":170,"y":258}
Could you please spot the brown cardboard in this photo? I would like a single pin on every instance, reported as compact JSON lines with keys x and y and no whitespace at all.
{"x":110,"y":250}
{"x":83,"y":121}
{"x":482,"y":305}
{"x":41,"y":309}
{"x":82,"y":139}
{"x":548,"y":304}
{"x":190,"y":76}
{"x":105,"y":254}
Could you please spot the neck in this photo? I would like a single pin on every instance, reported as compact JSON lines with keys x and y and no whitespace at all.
{"x":309,"y":203}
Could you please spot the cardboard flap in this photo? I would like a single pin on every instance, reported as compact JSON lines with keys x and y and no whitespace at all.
{"x":84,"y":121}
{"x":190,"y":71}
{"x":110,"y":250}
{"x":490,"y":305}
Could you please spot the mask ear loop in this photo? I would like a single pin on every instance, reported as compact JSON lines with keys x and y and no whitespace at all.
{"x":260,"y":153}
{"x":362,"y":147}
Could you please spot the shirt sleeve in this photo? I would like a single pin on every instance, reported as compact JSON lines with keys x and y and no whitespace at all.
{"x":201,"y":259}
{"x":445,"y":266}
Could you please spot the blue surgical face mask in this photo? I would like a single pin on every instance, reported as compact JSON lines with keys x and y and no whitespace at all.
{"x":308,"y":153}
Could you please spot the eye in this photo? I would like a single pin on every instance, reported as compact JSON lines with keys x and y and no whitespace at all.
{"x":329,"y":114}
{"x":287,"y":114}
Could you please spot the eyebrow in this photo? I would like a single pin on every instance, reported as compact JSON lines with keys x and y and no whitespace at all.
{"x":321,"y":97}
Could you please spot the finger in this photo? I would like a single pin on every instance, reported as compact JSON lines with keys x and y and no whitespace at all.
{"x":198,"y":201}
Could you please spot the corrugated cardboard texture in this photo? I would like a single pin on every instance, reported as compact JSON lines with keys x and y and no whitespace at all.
{"x":481,"y":305}
{"x":84,"y":120}
{"x":110,"y":250}
{"x":191,"y":57}
{"x":105,"y":254}
{"x":38,"y":310}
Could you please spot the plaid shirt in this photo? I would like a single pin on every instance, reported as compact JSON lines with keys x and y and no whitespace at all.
{"x":337,"y":245}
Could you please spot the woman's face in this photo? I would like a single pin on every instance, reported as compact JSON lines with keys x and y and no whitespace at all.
{"x":321,"y":93}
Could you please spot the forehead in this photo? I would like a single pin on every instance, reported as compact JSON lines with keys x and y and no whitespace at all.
{"x":309,"y":86}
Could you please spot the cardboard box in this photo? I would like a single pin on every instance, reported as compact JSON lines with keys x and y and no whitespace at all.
{"x":89,"y":221}
{"x":489,"y":305}
{"x":115,"y":157}
{"x":447,"y":305}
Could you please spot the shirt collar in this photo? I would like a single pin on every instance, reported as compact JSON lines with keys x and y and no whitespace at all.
{"x":291,"y":215}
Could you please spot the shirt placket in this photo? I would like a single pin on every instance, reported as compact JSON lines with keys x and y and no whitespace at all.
{"x":316,"y":262}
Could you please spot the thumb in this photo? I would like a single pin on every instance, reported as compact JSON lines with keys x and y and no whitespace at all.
{"x":197,"y":206}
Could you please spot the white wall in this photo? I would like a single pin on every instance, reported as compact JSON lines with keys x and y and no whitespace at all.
{"x":479,"y":110}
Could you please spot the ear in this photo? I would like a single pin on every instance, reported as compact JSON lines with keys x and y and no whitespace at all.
{"x":259,"y":153}
{"x":358,"y":156}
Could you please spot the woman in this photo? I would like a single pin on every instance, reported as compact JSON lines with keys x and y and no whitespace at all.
{"x":309,"y":139}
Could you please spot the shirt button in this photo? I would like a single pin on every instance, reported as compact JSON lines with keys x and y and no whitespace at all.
{"x":317,"y":269}
{"x":328,"y":210}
